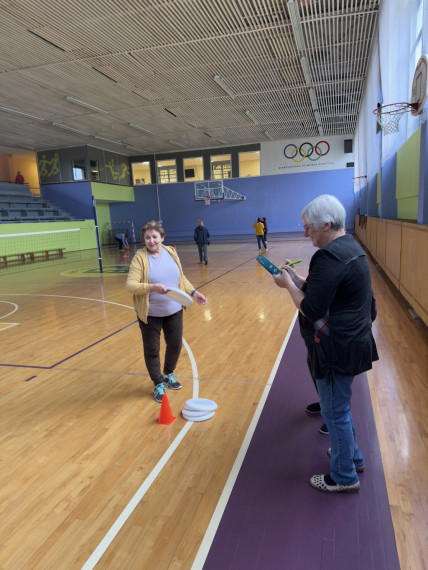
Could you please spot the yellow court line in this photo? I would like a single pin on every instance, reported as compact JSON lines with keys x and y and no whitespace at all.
{"x":4,"y":326}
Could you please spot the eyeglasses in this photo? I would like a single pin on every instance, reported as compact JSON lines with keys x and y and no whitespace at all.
{"x":307,"y":228}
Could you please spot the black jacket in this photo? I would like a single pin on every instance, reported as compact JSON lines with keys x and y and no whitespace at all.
{"x":338,"y":309}
{"x":201,"y":235}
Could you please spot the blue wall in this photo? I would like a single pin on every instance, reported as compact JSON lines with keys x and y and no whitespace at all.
{"x":280,"y":198}
{"x":388,"y":200}
{"x":75,"y":197}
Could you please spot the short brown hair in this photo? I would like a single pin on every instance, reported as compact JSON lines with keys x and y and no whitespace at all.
{"x":153,"y":225}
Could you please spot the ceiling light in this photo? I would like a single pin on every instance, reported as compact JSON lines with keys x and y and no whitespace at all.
{"x":293,"y":10}
{"x":141,"y":129}
{"x":25,"y":147}
{"x":84,"y":104}
{"x":21,"y":113}
{"x":177,"y":143}
{"x":320,"y":130}
{"x":225,"y":86}
{"x":138,"y":149}
{"x":313,"y":99}
{"x":269,"y":136}
{"x":306,"y":72}
{"x":252,"y":117}
{"x":108,"y":140}
{"x":61,"y":126}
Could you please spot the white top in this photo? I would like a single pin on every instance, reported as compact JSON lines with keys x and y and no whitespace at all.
{"x":163,"y":269}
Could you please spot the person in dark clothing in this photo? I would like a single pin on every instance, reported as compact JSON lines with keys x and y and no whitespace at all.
{"x":202,"y":238}
{"x":337,"y":298}
{"x":265,"y":228}
{"x":122,"y":241}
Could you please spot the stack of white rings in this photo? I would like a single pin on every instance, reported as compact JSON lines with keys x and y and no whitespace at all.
{"x":199,"y":409}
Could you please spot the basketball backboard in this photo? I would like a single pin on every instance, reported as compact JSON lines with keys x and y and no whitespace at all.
{"x":419,"y":86}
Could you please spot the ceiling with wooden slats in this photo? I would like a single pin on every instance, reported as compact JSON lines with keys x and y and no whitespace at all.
{"x":201,"y":73}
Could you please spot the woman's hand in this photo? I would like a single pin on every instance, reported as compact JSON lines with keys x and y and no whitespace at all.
{"x":158,"y":288}
{"x":284,"y":279}
{"x":297,"y":279}
{"x":199,"y":298}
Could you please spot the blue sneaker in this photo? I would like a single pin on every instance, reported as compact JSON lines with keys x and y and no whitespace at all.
{"x":171,"y":382}
{"x":159,"y":392}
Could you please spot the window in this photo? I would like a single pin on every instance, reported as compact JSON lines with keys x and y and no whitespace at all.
{"x":94,"y":169}
{"x":79,"y":170}
{"x":167,"y":171}
{"x":141,"y":173}
{"x":221,"y":167}
{"x":249,"y":164}
{"x":193,"y":169}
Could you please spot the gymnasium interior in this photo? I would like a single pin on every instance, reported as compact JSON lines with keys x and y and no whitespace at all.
{"x":116,"y":113}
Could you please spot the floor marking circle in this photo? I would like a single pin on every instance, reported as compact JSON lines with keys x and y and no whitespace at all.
{"x":11,"y":312}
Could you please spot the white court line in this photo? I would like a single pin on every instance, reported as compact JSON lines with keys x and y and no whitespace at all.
{"x":11,"y":312}
{"x":133,"y":503}
{"x":202,"y":554}
{"x":150,"y":479}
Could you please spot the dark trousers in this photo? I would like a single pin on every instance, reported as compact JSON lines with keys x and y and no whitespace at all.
{"x":120,"y":242}
{"x":172,"y":327}
{"x":203,"y":251}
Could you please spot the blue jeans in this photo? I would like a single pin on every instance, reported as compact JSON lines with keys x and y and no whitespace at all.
{"x":335,"y":400}
{"x":259,"y":240}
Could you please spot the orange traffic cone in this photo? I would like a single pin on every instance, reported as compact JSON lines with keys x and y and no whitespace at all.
{"x":165,"y":416}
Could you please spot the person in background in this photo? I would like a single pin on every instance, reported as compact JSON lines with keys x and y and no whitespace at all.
{"x":337,"y":299}
{"x":153,"y":271}
{"x":19,"y":179}
{"x":259,"y":227}
{"x":122,"y":240}
{"x":201,"y":236}
{"x":265,"y":228}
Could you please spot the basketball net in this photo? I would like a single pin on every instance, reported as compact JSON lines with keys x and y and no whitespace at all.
{"x":207,"y":200}
{"x":388,"y":116}
{"x":358,"y":181}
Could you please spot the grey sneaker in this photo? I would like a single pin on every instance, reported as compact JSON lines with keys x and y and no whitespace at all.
{"x":159,"y":391}
{"x":171,"y":382}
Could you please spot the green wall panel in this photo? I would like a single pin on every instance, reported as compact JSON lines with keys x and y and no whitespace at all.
{"x":112,"y":192}
{"x":104,"y":221}
{"x":407,"y":189}
{"x":407,"y":208}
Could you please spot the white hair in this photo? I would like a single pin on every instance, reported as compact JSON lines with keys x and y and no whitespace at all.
{"x":324,"y":209}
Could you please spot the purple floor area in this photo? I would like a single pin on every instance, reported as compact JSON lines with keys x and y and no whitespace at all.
{"x":274,"y":520}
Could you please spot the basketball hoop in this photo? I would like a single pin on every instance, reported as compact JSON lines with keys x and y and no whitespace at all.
{"x":388,"y":116}
{"x":207,"y":200}
{"x":359,"y":180}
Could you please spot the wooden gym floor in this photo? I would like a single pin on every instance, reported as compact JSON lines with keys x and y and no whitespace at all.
{"x":86,"y":473}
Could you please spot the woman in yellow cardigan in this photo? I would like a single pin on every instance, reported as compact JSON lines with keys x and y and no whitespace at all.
{"x":154,"y":269}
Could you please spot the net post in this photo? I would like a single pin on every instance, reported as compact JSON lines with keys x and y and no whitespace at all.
{"x":100,"y":261}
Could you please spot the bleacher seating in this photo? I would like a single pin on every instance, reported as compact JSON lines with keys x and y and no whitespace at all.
{"x":18,"y":205}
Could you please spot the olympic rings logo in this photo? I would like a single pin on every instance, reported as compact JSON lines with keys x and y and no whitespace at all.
{"x":306,"y":150}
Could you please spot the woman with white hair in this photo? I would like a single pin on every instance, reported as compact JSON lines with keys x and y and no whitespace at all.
{"x":336,"y":303}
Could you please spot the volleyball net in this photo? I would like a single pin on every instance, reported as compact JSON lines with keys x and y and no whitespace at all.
{"x":27,"y":250}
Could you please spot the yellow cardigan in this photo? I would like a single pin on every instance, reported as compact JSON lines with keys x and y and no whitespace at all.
{"x":259,"y":227}
{"x":137,"y":281}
